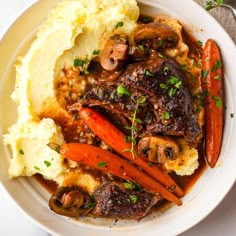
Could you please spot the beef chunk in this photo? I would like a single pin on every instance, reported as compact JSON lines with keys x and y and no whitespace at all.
{"x":168,"y":109}
{"x":114,"y":200}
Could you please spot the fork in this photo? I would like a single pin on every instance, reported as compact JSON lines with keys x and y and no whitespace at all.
{"x":232,"y":5}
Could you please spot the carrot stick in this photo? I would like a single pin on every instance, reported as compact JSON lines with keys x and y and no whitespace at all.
{"x":212,"y":83}
{"x":108,"y":162}
{"x":114,"y":138}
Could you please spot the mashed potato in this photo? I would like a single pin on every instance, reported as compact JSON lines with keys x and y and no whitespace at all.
{"x":74,"y":28}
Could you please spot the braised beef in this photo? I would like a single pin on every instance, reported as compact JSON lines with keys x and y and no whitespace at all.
{"x":168,"y":108}
{"x":115,"y":201}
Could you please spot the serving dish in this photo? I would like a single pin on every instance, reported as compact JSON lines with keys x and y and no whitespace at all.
{"x":208,"y":192}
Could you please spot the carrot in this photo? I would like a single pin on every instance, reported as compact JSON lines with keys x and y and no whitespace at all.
{"x":114,"y":138}
{"x":106,"y":161}
{"x":212,"y":85}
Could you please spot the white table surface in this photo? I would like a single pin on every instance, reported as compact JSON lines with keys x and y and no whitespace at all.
{"x":222,"y":221}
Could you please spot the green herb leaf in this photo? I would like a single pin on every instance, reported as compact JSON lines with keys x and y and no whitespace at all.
{"x":172,"y":92}
{"x":129,"y":185}
{"x":96,"y":52}
{"x":166,"y":116}
{"x":47,"y":163}
{"x":133,"y":198}
{"x":102,"y":164}
{"x":218,"y":101}
{"x":159,"y":43}
{"x":164,"y":86}
{"x":21,"y":152}
{"x":216,"y":66}
{"x":36,"y":168}
{"x":121,"y":90}
{"x":78,"y":62}
{"x":141,"y":47}
{"x":139,"y":121}
{"x":232,"y":115}
{"x":213,"y":4}
{"x":148,"y":73}
{"x":204,"y":73}
{"x":119,"y":24}
{"x":199,"y":43}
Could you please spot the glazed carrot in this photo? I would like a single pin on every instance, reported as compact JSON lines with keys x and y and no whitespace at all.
{"x":108,"y":162}
{"x":212,"y":84}
{"x":114,"y":138}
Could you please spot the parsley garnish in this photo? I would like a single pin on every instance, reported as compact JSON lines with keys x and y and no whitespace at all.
{"x":216,"y":66}
{"x":218,"y":101}
{"x":133,"y":198}
{"x":204,"y":73}
{"x":166,"y":116}
{"x":213,"y":4}
{"x":78,"y":62}
{"x":36,"y":168}
{"x":141,"y":47}
{"x":102,"y":164}
{"x":199,"y":43}
{"x":119,"y":24}
{"x":129,"y":185}
{"x":121,"y":90}
{"x":148,"y":73}
{"x":232,"y":115}
{"x":96,"y":52}
{"x":21,"y":152}
{"x":47,"y":163}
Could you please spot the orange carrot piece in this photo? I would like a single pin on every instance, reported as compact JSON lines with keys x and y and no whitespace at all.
{"x":108,"y":162}
{"x":212,"y":84}
{"x":114,"y":138}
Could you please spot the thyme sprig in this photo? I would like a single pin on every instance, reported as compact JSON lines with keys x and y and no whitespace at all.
{"x":134,"y":128}
{"x":213,"y":4}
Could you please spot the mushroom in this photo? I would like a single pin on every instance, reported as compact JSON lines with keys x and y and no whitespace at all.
{"x":70,"y":201}
{"x":114,"y":53}
{"x":162,"y":35}
{"x":158,"y":148}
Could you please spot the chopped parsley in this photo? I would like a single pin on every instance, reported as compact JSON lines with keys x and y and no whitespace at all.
{"x":102,"y":164}
{"x":119,"y":24}
{"x":129,"y":185}
{"x":133,"y":198}
{"x":213,"y":4}
{"x":148,"y":73}
{"x":141,"y":47}
{"x":204,"y":73}
{"x":36,"y":168}
{"x":47,"y":163}
{"x":21,"y":152}
{"x":231,"y":115}
{"x":96,"y":52}
{"x":199,"y":43}
{"x":218,"y":101}
{"x":121,"y":90}
{"x":164,"y":86}
{"x":216,"y":66}
{"x":78,"y":62}
{"x":166,"y":116}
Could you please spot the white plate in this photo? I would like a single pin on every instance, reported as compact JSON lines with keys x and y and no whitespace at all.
{"x":205,"y":195}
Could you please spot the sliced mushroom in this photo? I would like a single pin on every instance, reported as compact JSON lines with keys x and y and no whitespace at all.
{"x":162,"y":35}
{"x":70,"y":201}
{"x":158,"y":148}
{"x":114,"y":53}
